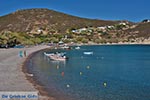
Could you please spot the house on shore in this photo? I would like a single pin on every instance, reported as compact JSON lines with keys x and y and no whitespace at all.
{"x":146,"y":21}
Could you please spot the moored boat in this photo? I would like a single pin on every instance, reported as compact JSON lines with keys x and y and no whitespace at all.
{"x":66,"y":47}
{"x":56,"y":56}
{"x":77,"y":48}
{"x":88,"y":53}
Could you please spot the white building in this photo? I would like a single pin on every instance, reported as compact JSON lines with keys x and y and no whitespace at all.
{"x":102,"y":28}
{"x":122,"y":23}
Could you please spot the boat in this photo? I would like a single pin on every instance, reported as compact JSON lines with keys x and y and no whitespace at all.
{"x":46,"y":54}
{"x":88,"y":53}
{"x":77,"y":48}
{"x":56,"y":56}
{"x":66,"y":47}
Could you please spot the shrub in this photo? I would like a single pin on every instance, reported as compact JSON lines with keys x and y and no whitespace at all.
{"x":84,"y":40}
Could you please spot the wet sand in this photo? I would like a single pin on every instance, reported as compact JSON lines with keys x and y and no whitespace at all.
{"x":12,"y":77}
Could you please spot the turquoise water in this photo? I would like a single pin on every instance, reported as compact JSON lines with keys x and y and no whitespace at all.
{"x":124,"y":69}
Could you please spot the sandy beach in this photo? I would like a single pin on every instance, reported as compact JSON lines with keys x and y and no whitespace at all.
{"x":12,"y":77}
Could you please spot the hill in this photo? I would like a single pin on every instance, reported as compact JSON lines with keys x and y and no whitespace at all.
{"x":34,"y":26}
{"x":32,"y":20}
{"x":142,"y":29}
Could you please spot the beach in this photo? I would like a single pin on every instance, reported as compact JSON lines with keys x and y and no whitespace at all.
{"x":12,"y":77}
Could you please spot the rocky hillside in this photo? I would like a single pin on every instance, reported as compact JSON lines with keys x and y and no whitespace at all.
{"x":47,"y":21}
{"x":141,"y":29}
{"x":34,"y":26}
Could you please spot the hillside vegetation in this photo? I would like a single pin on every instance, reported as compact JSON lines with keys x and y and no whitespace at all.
{"x":48,"y":20}
{"x":34,"y":26}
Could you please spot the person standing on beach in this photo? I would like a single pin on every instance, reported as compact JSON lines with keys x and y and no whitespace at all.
{"x":25,"y":53}
{"x":20,"y":54}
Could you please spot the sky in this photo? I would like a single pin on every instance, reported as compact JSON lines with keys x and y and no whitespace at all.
{"x":132,"y":10}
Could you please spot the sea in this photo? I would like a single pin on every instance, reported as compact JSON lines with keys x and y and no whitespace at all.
{"x":111,"y":72}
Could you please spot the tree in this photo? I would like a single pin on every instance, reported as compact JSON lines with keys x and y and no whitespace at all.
{"x":54,"y":40}
{"x":84,"y":40}
{"x":97,"y":41}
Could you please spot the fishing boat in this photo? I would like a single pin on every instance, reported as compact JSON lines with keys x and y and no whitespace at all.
{"x":88,"y":53}
{"x":48,"y":54}
{"x":77,"y":48}
{"x":66,"y":47}
{"x":56,"y":56}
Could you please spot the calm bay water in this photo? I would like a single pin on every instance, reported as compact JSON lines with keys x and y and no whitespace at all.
{"x":124,"y":69}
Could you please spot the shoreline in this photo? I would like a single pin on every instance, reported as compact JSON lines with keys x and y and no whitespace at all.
{"x":39,"y":87}
{"x":41,"y":90}
{"x":134,"y":43}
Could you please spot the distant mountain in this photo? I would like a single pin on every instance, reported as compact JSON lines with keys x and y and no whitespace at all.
{"x":32,"y":20}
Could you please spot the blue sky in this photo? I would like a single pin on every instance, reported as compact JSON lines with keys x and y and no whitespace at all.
{"x":132,"y":10}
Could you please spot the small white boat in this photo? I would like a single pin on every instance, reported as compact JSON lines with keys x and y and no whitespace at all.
{"x":46,"y":54}
{"x":88,"y":53}
{"x":31,"y":75}
{"x":65,"y":46}
{"x":77,"y":48}
{"x":57,"y":56}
